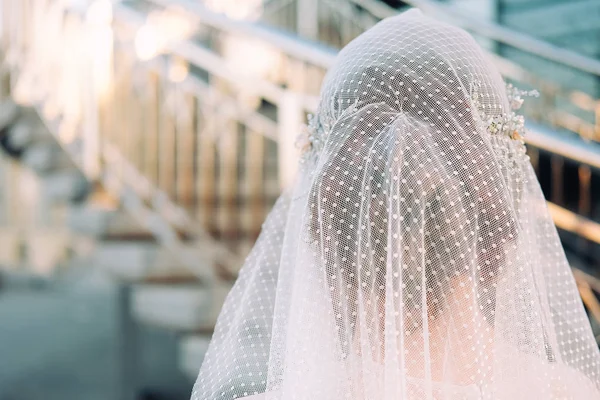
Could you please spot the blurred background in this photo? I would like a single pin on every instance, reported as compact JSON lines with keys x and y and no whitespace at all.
{"x":143,"y":142}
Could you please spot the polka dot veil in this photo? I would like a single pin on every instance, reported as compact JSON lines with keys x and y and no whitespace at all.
{"x":414,"y":257}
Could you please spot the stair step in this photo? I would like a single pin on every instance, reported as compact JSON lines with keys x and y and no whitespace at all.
{"x":175,"y":307}
{"x":138,"y":261}
{"x":192,"y":349}
{"x":178,"y":307}
{"x":88,"y":220}
{"x":107,"y":223}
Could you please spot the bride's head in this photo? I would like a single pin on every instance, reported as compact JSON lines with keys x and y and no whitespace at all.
{"x":412,"y":207}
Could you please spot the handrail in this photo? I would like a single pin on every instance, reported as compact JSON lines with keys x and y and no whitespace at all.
{"x":572,"y":148}
{"x":200,"y":56}
{"x":571,"y":222}
{"x":323,"y":56}
{"x":494,"y":31}
{"x":304,"y":50}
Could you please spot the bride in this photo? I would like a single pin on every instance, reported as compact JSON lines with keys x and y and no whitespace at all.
{"x":414,"y":258}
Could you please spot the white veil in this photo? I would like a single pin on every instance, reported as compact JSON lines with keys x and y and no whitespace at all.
{"x":414,"y":257}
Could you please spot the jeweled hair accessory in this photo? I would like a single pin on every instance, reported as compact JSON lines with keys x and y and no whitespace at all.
{"x":510,"y":123}
{"x":312,"y":138}
{"x":308,"y":140}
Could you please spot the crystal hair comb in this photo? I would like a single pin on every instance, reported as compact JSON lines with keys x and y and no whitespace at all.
{"x":510,"y":123}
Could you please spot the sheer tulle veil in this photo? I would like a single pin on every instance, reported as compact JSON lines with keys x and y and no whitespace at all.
{"x":414,"y":257}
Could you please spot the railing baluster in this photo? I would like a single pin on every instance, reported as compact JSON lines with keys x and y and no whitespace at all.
{"x":585,"y":195}
{"x":227,"y":185}
{"x":558,"y":164}
{"x":597,"y":120}
{"x":254,"y":180}
{"x":585,"y":203}
{"x":186,"y":145}
{"x":166,"y":138}
{"x":534,"y":157}
{"x":127,"y":112}
{"x":136,"y":128}
{"x":206,"y":164}
{"x":151,"y":123}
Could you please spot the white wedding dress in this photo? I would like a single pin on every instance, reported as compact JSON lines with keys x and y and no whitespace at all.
{"x":414,"y":257}
{"x":525,"y":387}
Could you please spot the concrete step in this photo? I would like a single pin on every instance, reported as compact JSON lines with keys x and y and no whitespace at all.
{"x":138,"y":261}
{"x":88,"y":220}
{"x":192,"y":349}
{"x":188,"y":307}
{"x":104,"y":221}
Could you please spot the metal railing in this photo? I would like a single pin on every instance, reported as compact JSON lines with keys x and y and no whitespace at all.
{"x":189,"y":144}
{"x":337,"y":22}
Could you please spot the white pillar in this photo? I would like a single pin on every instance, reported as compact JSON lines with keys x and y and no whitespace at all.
{"x":290,"y":120}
